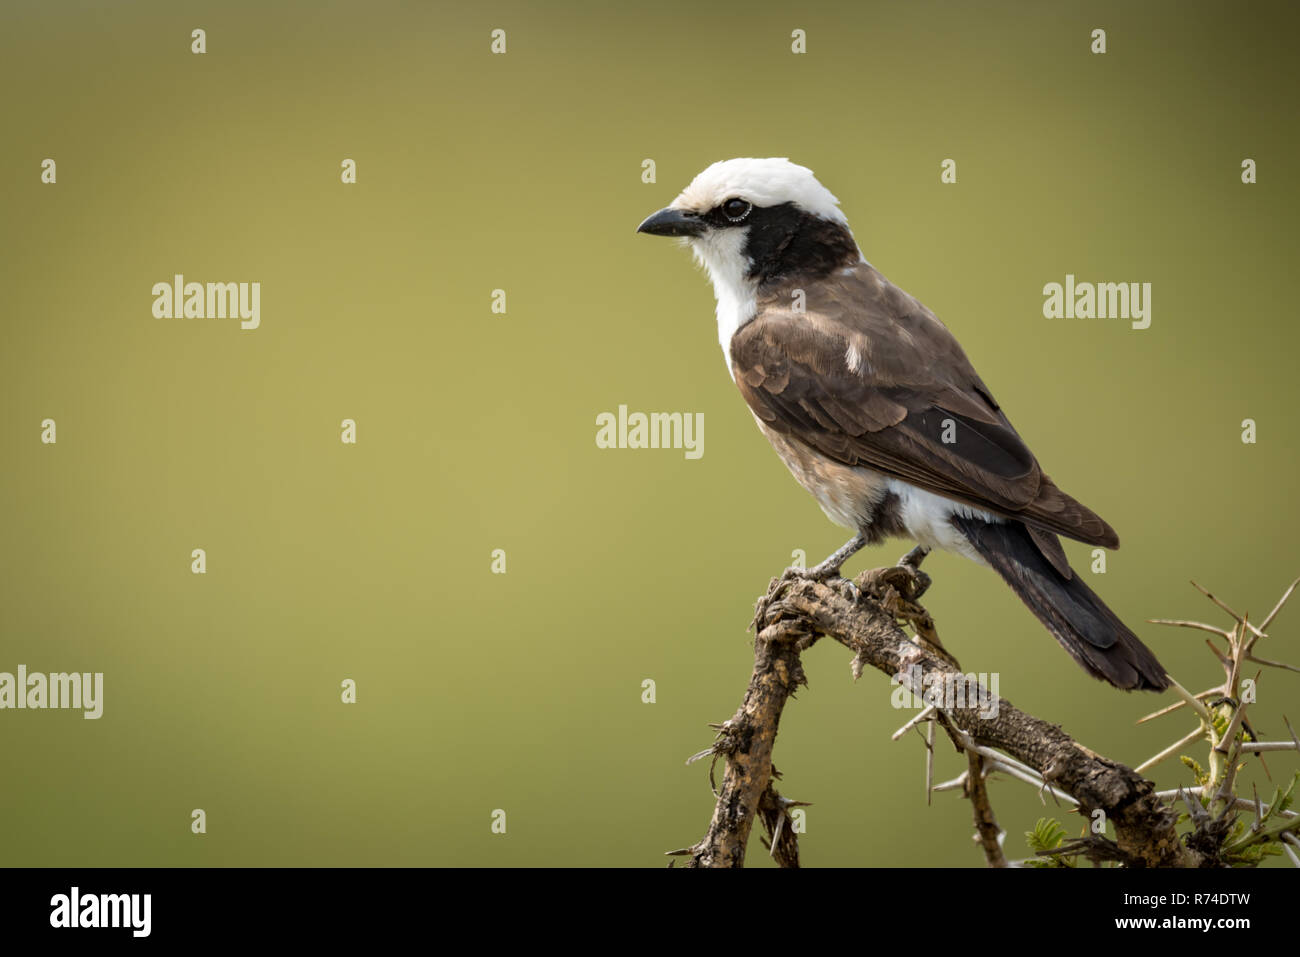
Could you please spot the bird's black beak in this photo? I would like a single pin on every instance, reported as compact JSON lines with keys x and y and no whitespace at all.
{"x":672,"y":222}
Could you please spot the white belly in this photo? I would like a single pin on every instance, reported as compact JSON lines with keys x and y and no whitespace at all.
{"x":926,"y":517}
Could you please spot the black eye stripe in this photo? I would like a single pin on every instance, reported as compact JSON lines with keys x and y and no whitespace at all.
{"x":735,"y":209}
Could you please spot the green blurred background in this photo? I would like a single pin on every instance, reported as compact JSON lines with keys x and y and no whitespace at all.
{"x":476,"y":431}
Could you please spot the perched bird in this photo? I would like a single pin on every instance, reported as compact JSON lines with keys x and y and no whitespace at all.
{"x":873,"y":406}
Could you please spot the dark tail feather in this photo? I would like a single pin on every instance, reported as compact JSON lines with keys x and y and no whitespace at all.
{"x":1072,"y":612}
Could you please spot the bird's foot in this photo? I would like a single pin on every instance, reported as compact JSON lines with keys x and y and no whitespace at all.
{"x":915,"y":556}
{"x":905,"y":581}
{"x":826,"y":573}
{"x":898,"y":589}
{"x":909,"y":566}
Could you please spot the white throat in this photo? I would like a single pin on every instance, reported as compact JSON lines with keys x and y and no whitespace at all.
{"x":722,"y":254}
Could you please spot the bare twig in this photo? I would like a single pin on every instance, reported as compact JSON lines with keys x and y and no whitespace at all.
{"x":986,"y":826}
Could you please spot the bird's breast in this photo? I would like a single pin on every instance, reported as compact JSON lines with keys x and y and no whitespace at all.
{"x":848,"y":495}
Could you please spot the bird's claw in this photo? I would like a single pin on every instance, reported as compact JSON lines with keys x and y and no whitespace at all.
{"x":823,"y":574}
{"x":905,"y":578}
{"x":826,"y":575}
{"x":897,"y":588}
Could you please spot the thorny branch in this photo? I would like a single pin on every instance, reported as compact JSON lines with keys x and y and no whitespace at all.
{"x":865,"y":617}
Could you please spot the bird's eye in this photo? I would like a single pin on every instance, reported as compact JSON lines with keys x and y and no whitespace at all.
{"x":736,"y":209}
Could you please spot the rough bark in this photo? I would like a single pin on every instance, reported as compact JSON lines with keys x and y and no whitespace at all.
{"x":746,"y":741}
{"x":796,"y":612}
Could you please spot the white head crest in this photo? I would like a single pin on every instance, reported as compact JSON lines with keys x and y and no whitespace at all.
{"x":763,"y":182}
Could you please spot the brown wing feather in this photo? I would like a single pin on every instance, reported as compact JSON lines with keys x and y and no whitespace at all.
{"x":868,"y":376}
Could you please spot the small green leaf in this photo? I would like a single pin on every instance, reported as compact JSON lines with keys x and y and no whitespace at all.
{"x":1047,"y":835}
